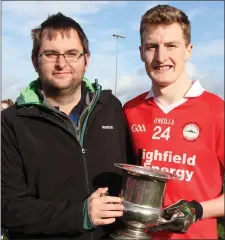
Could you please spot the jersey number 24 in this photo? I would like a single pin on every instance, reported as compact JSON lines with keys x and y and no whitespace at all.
{"x":159,"y":133}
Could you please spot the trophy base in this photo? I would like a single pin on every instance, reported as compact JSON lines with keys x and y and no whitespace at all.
{"x":126,"y":233}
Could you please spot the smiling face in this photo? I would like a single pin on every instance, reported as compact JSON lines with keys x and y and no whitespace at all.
{"x":61,"y":77}
{"x":164,"y":52}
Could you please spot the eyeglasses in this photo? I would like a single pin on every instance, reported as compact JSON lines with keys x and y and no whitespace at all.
{"x":54,"y":56}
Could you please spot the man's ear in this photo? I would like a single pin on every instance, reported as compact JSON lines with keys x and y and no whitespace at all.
{"x":188,"y":52}
{"x":141,"y":53}
{"x":35,"y":62}
{"x":87,"y":60}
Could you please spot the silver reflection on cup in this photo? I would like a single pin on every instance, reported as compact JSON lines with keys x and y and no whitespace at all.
{"x":142,"y":195}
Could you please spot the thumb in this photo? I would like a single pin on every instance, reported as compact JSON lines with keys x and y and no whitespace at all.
{"x":99,"y":192}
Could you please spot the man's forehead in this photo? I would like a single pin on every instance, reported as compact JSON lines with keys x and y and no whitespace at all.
{"x":50,"y":35}
{"x":162,"y":34}
{"x":163,"y":40}
{"x":65,"y":40}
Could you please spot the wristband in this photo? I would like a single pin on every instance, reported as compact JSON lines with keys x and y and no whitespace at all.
{"x":198,"y":209}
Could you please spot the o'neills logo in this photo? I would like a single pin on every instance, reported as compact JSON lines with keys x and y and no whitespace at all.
{"x":191,"y":131}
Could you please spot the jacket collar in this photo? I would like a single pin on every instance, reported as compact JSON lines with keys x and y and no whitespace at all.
{"x":194,"y":91}
{"x":34,"y":95}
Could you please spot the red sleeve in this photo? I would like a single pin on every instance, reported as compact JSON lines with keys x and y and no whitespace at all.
{"x":220,"y":137}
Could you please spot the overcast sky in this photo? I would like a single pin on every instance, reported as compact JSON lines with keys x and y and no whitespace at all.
{"x":100,"y":19}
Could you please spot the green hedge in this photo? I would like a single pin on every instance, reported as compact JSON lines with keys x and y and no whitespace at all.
{"x":221,"y":229}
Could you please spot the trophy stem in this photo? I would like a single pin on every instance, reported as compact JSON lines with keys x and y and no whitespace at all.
{"x":130,"y":233}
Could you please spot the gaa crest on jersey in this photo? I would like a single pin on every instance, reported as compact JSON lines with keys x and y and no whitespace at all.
{"x":138,"y":128}
{"x":191,"y":131}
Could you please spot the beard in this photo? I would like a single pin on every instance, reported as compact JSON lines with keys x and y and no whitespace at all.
{"x":52,"y":89}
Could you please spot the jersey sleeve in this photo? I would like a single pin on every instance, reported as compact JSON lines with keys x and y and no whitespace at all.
{"x":220,"y":137}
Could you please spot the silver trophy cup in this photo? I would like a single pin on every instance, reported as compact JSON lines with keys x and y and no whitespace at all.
{"x":142,"y":194}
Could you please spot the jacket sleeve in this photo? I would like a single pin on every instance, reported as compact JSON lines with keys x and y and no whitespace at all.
{"x":21,"y":211}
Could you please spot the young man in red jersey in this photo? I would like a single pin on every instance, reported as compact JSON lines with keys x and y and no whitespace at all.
{"x":178,"y":127}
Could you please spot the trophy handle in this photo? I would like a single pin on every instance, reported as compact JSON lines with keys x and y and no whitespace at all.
{"x":163,"y":220}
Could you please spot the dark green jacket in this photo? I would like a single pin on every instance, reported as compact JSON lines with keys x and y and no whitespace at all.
{"x":50,"y":166}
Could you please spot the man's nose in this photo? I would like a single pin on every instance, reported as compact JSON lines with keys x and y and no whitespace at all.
{"x":161,"y":54}
{"x":61,"y":62}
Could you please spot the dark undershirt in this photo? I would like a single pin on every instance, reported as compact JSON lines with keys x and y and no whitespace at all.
{"x":78,"y":109}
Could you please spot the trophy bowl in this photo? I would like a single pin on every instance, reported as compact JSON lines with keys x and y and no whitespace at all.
{"x":142,"y":195}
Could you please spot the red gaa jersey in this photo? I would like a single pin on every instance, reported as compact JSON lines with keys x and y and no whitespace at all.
{"x":186,"y":139}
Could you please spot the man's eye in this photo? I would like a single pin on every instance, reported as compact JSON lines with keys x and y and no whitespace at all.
{"x":51,"y":55}
{"x":151,"y":47}
{"x":171,"y":46}
{"x":72,"y":54}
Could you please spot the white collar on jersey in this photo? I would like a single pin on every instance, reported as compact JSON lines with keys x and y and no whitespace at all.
{"x":194,"y":91}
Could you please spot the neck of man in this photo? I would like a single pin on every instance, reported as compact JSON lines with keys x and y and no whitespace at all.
{"x":65,"y":102}
{"x":174,"y":92}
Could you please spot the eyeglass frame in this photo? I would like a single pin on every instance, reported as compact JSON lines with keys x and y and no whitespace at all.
{"x":64,"y":56}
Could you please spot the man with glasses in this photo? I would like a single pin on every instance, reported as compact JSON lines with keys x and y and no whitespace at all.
{"x":59,"y":144}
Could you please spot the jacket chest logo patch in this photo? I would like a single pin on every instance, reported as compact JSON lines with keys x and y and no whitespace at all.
{"x":107,"y":127}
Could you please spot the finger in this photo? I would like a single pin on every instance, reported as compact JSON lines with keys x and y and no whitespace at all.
{"x":110,"y":199}
{"x":102,"y":201}
{"x":110,"y":214}
{"x":165,"y":227}
{"x":104,"y":194}
{"x":99,"y":192}
{"x":176,"y":207}
{"x":111,"y":207}
{"x":176,"y":229}
{"x":105,"y":221}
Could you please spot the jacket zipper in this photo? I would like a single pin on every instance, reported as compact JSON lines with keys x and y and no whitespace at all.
{"x":82,"y":132}
{"x":83,"y":114}
{"x":83,"y":129}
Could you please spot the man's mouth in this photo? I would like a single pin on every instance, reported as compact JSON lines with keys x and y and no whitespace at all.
{"x":162,"y":68}
{"x":59,"y":73}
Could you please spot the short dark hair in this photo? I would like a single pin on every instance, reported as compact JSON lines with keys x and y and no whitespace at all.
{"x":166,"y":15}
{"x":57,"y":23}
